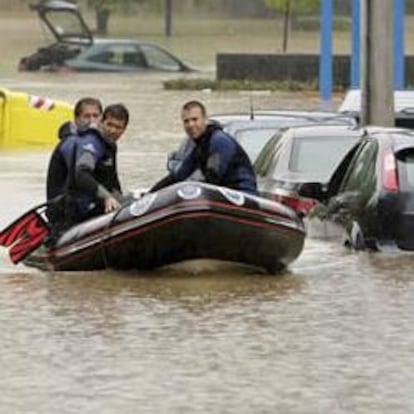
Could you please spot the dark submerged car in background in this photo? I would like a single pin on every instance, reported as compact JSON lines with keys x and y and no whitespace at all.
{"x":369,"y":200}
{"x":301,"y":154}
{"x":77,"y":49}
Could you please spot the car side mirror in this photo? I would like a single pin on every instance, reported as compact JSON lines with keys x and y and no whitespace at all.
{"x":313,"y":190}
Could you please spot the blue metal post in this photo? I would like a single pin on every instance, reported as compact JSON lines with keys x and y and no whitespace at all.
{"x":325,"y":59}
{"x":399,"y":53}
{"x":356,"y":42}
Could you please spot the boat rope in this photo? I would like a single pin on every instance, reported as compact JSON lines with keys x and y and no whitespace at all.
{"x":102,"y":240}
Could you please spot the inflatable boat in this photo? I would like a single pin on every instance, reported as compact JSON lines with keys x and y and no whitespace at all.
{"x":184,"y":221}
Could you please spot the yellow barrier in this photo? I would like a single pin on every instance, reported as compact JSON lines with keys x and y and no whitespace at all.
{"x":28,"y":121}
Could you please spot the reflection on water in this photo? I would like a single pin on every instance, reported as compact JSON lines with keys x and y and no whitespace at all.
{"x":333,"y":333}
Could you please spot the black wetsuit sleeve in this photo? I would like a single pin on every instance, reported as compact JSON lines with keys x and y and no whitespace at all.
{"x":212,"y":172}
{"x":85,"y":182}
{"x":164,"y":182}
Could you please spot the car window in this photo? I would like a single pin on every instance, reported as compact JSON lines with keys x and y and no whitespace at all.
{"x":361,"y":172}
{"x":405,"y":163}
{"x":317,"y":157}
{"x":122,"y":55}
{"x":267,"y":154}
{"x":405,"y":122}
{"x":253,"y":140}
{"x":159,"y":59}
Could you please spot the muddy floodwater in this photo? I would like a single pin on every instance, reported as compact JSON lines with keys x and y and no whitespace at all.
{"x":334,"y":333}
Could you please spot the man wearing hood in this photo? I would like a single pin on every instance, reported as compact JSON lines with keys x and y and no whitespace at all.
{"x":217,"y":155}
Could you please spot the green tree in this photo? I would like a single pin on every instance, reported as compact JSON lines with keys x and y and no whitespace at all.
{"x":287,"y":7}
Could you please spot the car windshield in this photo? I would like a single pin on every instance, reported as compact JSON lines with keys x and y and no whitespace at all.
{"x":159,"y":59}
{"x":253,"y":140}
{"x":318,"y":157}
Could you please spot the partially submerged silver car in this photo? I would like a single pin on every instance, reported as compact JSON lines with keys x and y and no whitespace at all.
{"x":77,"y":49}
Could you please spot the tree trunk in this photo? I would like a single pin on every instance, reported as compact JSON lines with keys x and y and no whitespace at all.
{"x":102,"y":18}
{"x":286,"y":21}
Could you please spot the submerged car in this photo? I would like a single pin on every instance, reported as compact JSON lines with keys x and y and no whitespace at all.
{"x":77,"y":49}
{"x":368,"y":203}
{"x":301,"y":154}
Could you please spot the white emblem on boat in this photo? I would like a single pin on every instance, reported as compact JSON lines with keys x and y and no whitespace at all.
{"x":189,"y":192}
{"x":141,"y":206}
{"x":234,"y":196}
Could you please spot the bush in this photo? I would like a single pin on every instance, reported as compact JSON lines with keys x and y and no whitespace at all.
{"x":200,"y":84}
{"x":312,"y":23}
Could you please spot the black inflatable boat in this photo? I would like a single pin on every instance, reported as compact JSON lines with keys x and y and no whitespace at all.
{"x":181,"y":222}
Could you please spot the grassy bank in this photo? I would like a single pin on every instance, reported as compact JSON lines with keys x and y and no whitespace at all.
{"x":246,"y":85}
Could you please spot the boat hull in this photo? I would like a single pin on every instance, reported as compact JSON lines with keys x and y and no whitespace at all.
{"x":182,"y":222}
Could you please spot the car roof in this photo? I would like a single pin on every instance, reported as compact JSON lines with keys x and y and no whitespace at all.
{"x":400,"y":138}
{"x":311,"y":114}
{"x":375,"y":129}
{"x":269,"y":113}
{"x":280,"y":118}
{"x":258,"y":123}
{"x":239,"y":117}
{"x":103,"y":41}
{"x":324,"y":130}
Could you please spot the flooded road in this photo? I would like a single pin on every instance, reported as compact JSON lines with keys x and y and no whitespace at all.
{"x":332,"y":334}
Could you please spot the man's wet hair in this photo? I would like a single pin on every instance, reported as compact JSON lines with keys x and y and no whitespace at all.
{"x":195,"y":104}
{"x":117,"y":111}
{"x":86,"y":102}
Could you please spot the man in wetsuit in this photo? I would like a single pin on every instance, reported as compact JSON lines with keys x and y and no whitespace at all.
{"x":216,"y":158}
{"x":95,"y":174}
{"x":87,"y":113}
{"x":92,"y":186}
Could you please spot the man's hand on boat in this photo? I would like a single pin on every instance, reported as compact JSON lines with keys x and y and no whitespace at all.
{"x":111,"y":204}
{"x":112,"y":201}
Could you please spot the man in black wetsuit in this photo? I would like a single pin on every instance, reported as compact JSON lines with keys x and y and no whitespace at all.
{"x":91,"y":186}
{"x":87,"y":113}
{"x":216,"y":158}
{"x":96,"y":181}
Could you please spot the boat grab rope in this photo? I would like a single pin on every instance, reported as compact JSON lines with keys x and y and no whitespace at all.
{"x":103,"y":237}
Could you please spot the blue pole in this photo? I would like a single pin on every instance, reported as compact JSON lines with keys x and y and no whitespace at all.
{"x":399,"y":58}
{"x":325,"y":59}
{"x":356,"y":41}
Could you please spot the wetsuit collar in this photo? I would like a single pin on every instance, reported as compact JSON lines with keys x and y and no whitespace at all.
{"x":66,"y":130}
{"x":210,"y":129}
